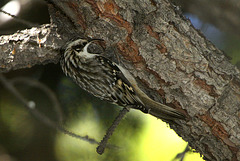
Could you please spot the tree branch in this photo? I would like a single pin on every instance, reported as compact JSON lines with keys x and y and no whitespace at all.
{"x":29,"y":47}
{"x":31,"y":106}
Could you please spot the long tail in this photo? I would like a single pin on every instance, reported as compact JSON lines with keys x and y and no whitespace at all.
{"x":162,"y":111}
{"x":156,"y":109}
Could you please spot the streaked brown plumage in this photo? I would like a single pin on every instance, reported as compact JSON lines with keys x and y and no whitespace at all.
{"x":109,"y":81}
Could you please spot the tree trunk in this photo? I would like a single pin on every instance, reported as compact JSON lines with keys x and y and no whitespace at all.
{"x":171,"y":60}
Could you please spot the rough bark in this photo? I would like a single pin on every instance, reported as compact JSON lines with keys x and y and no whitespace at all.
{"x":171,"y":60}
{"x":29,"y":47}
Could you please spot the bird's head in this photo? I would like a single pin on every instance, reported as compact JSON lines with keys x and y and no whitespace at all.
{"x":85,"y":47}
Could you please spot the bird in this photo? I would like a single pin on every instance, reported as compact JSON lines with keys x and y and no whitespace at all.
{"x":109,"y":81}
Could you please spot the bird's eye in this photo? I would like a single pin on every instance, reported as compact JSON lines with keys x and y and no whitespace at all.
{"x":78,"y":47}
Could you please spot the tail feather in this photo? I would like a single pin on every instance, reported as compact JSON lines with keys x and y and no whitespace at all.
{"x":156,"y":109}
{"x":161,"y":111}
{"x":164,"y":112}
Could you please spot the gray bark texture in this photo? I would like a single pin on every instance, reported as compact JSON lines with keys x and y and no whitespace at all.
{"x":172,"y":61}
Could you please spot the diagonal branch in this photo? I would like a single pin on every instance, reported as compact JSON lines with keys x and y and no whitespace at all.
{"x":100,"y":149}
{"x":31,"y":106}
{"x":29,"y":47}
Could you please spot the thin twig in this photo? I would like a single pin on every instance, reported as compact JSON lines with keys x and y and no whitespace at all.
{"x":16,"y":18}
{"x":103,"y":143}
{"x":182,"y":154}
{"x":31,"y":106}
{"x":51,"y":95}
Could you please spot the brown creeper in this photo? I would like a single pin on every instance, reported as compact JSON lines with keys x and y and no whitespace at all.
{"x":108,"y":81}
